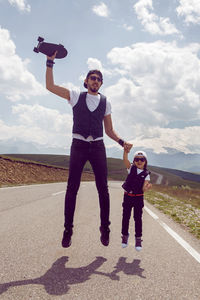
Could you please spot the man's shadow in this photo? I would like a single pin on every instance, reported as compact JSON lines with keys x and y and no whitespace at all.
{"x":58,"y":278}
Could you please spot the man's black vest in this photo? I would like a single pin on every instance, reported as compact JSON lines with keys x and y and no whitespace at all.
{"x":134,"y":182}
{"x":88,"y":122}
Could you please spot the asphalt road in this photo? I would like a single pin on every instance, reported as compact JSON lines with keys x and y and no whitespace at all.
{"x":33,"y":265}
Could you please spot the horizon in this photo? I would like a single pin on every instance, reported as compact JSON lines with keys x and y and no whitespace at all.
{"x":108,"y":157}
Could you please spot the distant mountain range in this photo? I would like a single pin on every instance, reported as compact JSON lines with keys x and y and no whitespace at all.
{"x":171,"y":159}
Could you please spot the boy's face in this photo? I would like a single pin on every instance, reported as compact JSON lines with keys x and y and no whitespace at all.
{"x":139,"y":162}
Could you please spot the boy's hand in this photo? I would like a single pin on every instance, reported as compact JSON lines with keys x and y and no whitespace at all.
{"x":147,"y":186}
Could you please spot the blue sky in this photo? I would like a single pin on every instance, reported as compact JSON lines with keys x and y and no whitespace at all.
{"x":148,"y":51}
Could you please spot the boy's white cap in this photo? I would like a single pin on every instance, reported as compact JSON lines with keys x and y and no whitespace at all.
{"x":140,"y":153}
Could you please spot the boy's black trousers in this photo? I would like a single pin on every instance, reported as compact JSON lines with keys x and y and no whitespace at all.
{"x":136,"y":203}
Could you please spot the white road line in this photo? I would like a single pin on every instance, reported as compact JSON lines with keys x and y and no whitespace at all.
{"x":177,"y":237}
{"x":151,"y":213}
{"x":55,"y":194}
{"x":28,"y":186}
{"x":18,"y":187}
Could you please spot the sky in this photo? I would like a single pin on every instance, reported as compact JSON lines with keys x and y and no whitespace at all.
{"x":147,"y":50}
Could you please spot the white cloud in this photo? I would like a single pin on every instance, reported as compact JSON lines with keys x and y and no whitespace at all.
{"x":71,"y":86}
{"x":94,"y":63}
{"x":43,"y":117}
{"x":184,"y":140}
{"x":158,"y":139}
{"x":101,"y":10}
{"x":164,"y":77}
{"x":151,"y":22}
{"x":37,"y":124}
{"x":16,"y":82}
{"x":21,"y":5}
{"x":190,"y":10}
{"x":127,"y":27}
{"x":161,"y":85}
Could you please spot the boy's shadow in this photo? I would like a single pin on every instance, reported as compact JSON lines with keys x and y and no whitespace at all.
{"x":132,"y":268}
{"x":58,"y":278}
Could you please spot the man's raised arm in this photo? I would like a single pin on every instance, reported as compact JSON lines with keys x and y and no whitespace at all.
{"x":56,"y":89}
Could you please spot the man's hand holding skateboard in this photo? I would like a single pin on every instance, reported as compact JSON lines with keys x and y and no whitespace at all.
{"x":52,"y":57}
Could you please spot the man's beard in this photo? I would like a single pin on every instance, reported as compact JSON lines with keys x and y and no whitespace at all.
{"x":93,"y":89}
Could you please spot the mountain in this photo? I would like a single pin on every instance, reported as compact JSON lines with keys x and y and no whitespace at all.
{"x":18,"y":146}
{"x":171,"y":159}
{"x":116,"y":169}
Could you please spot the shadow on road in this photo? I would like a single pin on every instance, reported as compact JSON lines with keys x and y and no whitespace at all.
{"x":58,"y":278}
{"x":132,"y":268}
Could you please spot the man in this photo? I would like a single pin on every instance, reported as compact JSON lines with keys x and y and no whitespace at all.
{"x":90,"y":110}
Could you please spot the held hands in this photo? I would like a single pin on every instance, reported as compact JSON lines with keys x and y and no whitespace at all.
{"x":127,"y":146}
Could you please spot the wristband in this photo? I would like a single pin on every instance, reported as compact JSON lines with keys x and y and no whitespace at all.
{"x":50,"y":63}
{"x":121,"y":142}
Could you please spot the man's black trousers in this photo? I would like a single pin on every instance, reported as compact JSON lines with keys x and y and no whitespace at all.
{"x":81,"y":152}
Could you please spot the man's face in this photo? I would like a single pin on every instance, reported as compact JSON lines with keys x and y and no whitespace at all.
{"x":93,"y":83}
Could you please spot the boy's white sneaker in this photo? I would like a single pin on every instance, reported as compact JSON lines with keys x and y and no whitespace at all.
{"x":138,"y":243}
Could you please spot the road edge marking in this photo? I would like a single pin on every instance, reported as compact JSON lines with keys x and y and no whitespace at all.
{"x":58,"y":193}
{"x":175,"y":235}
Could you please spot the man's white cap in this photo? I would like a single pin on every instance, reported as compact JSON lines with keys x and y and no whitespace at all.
{"x":140,"y":153}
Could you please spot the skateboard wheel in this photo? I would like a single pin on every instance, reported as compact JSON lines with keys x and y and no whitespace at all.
{"x":61,"y":45}
{"x":40,"y":39}
{"x":36,"y":50}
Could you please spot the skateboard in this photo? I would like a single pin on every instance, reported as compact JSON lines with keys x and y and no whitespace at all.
{"x":49,"y":49}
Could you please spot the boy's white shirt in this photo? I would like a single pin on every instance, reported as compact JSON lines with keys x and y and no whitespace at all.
{"x":138,"y":172}
{"x":92,"y":102}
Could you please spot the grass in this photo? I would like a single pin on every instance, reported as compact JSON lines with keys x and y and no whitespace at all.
{"x":181,"y":203}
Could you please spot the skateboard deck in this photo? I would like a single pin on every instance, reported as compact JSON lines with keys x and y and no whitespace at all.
{"x":49,"y":48}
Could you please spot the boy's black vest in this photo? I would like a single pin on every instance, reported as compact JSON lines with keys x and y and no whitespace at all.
{"x":134,"y":182}
{"x":88,"y":122}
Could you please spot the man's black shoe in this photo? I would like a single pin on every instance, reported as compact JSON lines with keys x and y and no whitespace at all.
{"x":105,"y":231}
{"x":66,"y":241}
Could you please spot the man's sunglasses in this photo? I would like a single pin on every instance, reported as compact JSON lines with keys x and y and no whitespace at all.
{"x":93,"y":78}
{"x":142,"y":159}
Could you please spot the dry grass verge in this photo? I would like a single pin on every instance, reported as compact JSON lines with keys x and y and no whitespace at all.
{"x":182,"y":204}
{"x":14,"y":172}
